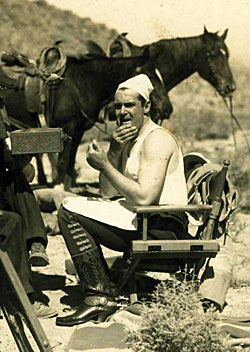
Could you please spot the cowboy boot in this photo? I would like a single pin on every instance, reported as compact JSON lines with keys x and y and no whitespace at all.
{"x":100,"y":298}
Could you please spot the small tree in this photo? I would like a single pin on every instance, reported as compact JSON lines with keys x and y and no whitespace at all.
{"x":174,"y":321}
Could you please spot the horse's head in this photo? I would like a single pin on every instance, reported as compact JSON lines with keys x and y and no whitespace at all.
{"x":214,"y":65}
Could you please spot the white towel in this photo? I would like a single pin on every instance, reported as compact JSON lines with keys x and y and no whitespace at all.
{"x":116,"y":213}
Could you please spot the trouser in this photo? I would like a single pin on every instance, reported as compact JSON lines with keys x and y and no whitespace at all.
{"x":11,"y":232}
{"x":216,"y":276}
{"x":102,"y":234}
{"x":83,"y":237}
{"x":216,"y":272}
{"x":110,"y":236}
{"x":83,"y":243}
{"x":23,"y":202}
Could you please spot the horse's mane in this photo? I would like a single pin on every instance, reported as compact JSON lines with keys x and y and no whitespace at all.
{"x":88,"y":58}
{"x":110,"y":68}
{"x":173,"y":49}
{"x":94,"y":64}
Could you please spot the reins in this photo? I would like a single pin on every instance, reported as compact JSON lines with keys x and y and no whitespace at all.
{"x":235,"y":119}
{"x":77,"y":99}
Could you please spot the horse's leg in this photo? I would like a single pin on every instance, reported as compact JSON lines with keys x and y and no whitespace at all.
{"x":63,"y":161}
{"x":66,"y":159}
{"x":40,"y":171}
{"x":70,"y":175}
{"x":53,"y":163}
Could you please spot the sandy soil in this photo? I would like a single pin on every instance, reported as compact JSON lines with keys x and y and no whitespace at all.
{"x":61,"y":290}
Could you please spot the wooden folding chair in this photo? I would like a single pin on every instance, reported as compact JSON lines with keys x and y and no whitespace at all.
{"x":167,"y":255}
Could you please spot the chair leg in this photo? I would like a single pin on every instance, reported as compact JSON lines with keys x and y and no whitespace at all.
{"x":133,"y":297}
{"x":128,"y":274}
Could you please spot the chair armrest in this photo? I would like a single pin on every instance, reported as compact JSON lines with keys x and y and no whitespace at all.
{"x":165,"y":208}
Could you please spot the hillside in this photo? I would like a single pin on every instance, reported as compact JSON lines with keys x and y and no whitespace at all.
{"x":28,"y":26}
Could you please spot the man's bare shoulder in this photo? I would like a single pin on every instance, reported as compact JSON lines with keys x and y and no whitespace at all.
{"x":161,"y":139}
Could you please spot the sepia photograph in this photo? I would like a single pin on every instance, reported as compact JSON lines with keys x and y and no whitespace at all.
{"x":124,"y":175}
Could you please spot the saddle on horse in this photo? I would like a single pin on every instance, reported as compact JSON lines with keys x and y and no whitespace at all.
{"x":17,"y":71}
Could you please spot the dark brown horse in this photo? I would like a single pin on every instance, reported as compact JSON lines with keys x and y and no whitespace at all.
{"x":86,"y":85}
{"x":177,"y":59}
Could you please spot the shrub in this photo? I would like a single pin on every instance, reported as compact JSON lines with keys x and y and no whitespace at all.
{"x":240,"y":173}
{"x":174,"y":321}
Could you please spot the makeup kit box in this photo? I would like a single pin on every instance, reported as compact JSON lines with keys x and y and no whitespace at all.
{"x":37,"y":140}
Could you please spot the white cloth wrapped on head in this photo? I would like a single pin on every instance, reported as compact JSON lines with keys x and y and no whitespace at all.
{"x":140,"y":84}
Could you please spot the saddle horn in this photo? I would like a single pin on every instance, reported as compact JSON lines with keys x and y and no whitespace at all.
{"x":58,"y":42}
{"x":125,"y":48}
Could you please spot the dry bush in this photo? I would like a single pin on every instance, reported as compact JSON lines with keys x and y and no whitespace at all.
{"x":240,"y":173}
{"x":174,"y":321}
{"x":237,"y":228}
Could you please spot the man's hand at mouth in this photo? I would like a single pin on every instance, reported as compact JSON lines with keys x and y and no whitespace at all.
{"x":125,"y":133}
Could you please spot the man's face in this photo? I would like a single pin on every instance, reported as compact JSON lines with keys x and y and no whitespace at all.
{"x":128,"y":108}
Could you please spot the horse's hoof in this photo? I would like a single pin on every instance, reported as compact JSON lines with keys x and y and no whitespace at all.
{"x":67,"y":183}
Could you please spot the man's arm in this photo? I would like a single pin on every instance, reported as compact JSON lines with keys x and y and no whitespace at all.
{"x":114,"y":156}
{"x":157,"y":150}
{"x":121,"y":136}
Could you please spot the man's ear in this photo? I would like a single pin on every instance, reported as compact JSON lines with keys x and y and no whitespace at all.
{"x":147,"y":107}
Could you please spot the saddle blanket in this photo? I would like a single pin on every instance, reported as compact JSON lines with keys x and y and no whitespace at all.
{"x":116,"y":213}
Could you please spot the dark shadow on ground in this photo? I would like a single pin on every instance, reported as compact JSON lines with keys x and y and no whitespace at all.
{"x":47,"y":282}
{"x":74,"y":296}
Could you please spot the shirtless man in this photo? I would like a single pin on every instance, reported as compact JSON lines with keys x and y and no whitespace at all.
{"x":144,"y":165}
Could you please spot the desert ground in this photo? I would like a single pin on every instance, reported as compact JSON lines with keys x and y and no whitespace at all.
{"x":61,"y":290}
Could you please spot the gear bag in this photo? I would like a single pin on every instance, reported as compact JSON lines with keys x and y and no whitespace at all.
{"x":201,"y":181}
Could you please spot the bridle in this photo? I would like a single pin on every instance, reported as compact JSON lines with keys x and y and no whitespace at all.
{"x":235,"y":120}
{"x":208,"y":59}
